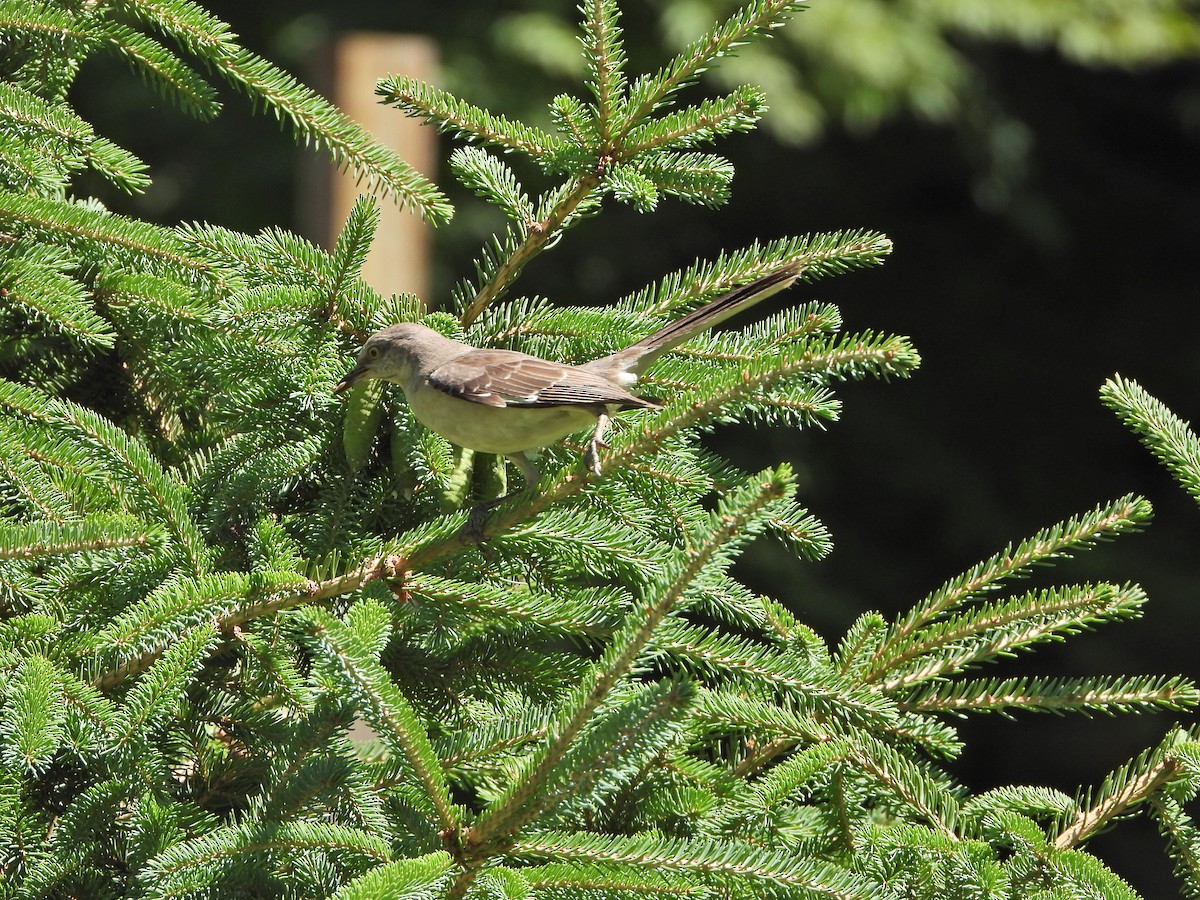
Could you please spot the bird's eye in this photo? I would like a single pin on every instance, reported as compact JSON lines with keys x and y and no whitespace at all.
{"x":372,"y":353}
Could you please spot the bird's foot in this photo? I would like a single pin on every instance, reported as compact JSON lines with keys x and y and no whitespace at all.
{"x":473,"y":531}
{"x":592,"y":457}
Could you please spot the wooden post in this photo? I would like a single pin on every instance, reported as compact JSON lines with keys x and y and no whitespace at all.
{"x":399,"y":257}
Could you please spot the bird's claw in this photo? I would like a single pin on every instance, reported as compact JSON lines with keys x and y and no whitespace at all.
{"x":592,"y":457}
{"x":472,"y":531}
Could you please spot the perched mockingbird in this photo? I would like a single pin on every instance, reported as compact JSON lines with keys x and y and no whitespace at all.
{"x":501,"y":401}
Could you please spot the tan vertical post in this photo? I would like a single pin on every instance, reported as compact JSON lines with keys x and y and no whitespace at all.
{"x":399,"y":258}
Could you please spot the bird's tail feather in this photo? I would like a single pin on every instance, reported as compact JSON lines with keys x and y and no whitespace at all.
{"x":635,"y":358}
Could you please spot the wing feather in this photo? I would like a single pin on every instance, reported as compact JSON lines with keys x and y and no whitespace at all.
{"x":506,"y":378}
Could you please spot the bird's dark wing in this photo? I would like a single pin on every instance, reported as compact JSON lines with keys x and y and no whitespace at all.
{"x":507,"y":378}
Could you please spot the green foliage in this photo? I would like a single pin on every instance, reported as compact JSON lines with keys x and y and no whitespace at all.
{"x":857,"y":64}
{"x":249,"y":649}
{"x":47,"y":45}
{"x":1165,"y":434}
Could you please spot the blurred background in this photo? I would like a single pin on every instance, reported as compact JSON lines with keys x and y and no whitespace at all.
{"x":1035,"y":163}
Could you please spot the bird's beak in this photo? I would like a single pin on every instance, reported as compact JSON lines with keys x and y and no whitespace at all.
{"x":354,"y":376}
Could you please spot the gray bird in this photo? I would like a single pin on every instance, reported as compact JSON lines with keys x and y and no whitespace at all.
{"x":505,"y":402}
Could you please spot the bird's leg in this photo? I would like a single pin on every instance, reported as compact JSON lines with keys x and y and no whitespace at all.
{"x":480,"y":511}
{"x":528,"y":469}
{"x":592,"y":456}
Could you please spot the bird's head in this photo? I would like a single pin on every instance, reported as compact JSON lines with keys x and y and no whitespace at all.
{"x":395,"y":353}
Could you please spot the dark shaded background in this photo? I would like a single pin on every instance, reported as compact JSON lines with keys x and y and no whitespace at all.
{"x":1023,"y":286}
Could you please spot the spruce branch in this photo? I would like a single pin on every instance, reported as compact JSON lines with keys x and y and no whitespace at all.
{"x":782,"y":728}
{"x":1032,"y":803}
{"x":738,"y":659}
{"x":855,"y":649}
{"x":929,"y":795}
{"x":33,"y":716}
{"x":629,"y":185}
{"x":496,"y":605}
{"x":583,"y":332}
{"x":935,"y":738}
{"x":165,"y":72}
{"x":228,"y":599}
{"x":195,"y":864}
{"x":814,"y":256}
{"x":724,"y":710}
{"x":1163,"y":433}
{"x":385,"y":707}
{"x":29,"y":170}
{"x":231,"y":600}
{"x":633,"y":172}
{"x":65,"y":137}
{"x":1085,"y":875}
{"x":1183,"y":840}
{"x":852,"y":356}
{"x":161,"y":688}
{"x":490,"y":178}
{"x":506,"y":817}
{"x":711,"y":119}
{"x":703,"y":856}
{"x":402,"y":879}
{"x":760,"y":755}
{"x":83,"y":229}
{"x":352,"y":246}
{"x":622,"y":743}
{"x":998,"y":629}
{"x":794,"y":774}
{"x":45,"y":21}
{"x":699,"y":178}
{"x":1121,"y":516}
{"x":59,"y":38}
{"x":145,"y":629}
{"x":1169,"y":769}
{"x":485,"y":743}
{"x":35,"y":277}
{"x":95,"y":533}
{"x":462,"y":119}
{"x":121,"y":291}
{"x":1121,"y":792}
{"x":312,"y":118}
{"x":649,"y":92}
{"x":150,"y":489}
{"x":1107,"y":694}
{"x":538,"y":237}
{"x":346,"y":294}
{"x":602,"y":548}
{"x":611,"y":878}
{"x":604,"y":57}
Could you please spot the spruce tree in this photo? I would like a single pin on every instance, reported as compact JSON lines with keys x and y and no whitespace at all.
{"x":215,"y":577}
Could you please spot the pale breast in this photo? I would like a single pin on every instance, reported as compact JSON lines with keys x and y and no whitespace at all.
{"x":493,"y":429}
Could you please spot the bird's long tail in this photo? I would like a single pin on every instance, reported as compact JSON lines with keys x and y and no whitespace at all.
{"x":635,"y":358}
